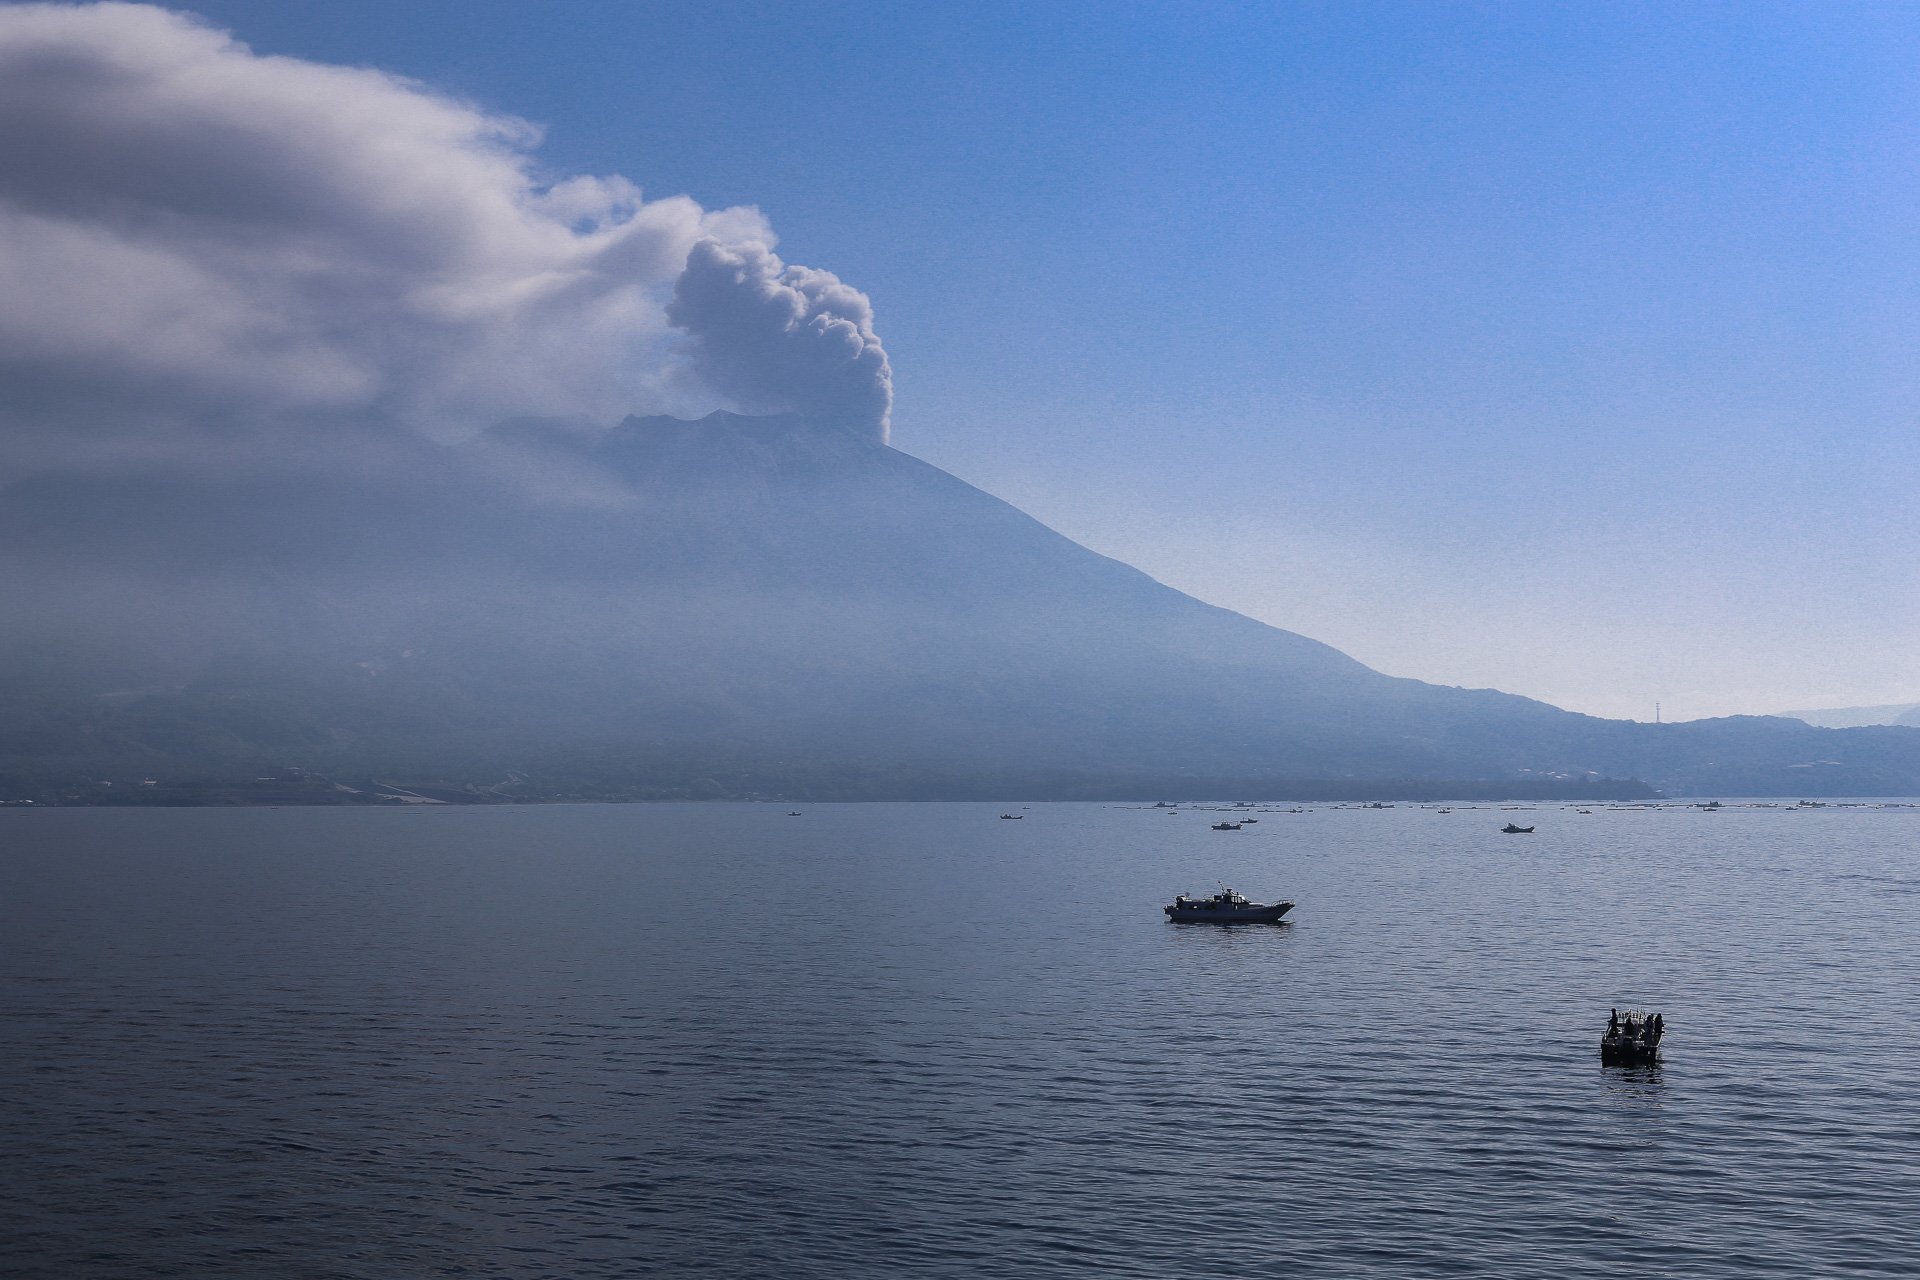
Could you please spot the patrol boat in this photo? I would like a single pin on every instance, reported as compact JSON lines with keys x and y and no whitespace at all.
{"x":1225,"y":907}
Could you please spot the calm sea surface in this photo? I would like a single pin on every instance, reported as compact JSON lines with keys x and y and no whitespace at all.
{"x":916,"y":1040}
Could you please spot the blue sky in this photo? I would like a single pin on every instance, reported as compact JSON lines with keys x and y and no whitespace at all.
{"x":1561,"y":350}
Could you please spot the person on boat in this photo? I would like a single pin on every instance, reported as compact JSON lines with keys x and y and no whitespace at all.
{"x":1613,"y":1023}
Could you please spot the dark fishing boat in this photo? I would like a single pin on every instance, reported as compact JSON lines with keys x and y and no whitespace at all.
{"x":1511,"y":830}
{"x":1632,"y":1039}
{"x":1013,"y":817}
{"x":1225,"y":907}
{"x":1226,"y":826}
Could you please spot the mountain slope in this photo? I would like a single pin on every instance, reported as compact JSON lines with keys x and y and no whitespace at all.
{"x":767,"y":593}
{"x":1855,"y":717}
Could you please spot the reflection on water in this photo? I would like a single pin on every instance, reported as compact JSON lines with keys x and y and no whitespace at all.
{"x":1639,"y":1086}
{"x":1231,"y":926}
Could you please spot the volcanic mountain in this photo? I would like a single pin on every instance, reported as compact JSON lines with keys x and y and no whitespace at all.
{"x":731,"y":606}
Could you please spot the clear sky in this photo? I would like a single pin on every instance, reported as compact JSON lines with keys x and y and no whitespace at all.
{"x":1565,"y":349}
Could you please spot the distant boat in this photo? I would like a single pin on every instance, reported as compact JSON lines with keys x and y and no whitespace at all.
{"x":1225,"y":907}
{"x":793,"y":813}
{"x":1226,"y":826}
{"x":1633,"y":1039}
{"x":1511,"y":830}
{"x":1013,"y":817}
{"x":1249,"y":819}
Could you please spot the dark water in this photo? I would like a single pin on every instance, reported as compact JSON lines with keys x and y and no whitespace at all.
{"x":892,"y":1040}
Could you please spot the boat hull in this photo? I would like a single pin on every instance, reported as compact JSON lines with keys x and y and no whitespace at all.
{"x":1620,"y":1052}
{"x":1229,"y":915}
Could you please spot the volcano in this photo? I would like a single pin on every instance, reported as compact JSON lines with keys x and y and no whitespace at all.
{"x":734,"y":606}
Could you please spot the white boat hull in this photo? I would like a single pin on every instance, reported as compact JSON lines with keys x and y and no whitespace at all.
{"x":1252,"y":913}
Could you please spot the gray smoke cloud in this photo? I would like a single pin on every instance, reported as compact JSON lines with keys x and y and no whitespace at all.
{"x":199,"y":243}
{"x":776,"y":338}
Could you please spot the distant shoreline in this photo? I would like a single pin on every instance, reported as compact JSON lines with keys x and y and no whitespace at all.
{"x":317,"y":792}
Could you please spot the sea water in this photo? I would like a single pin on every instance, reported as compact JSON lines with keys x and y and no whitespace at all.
{"x":892,"y":1040}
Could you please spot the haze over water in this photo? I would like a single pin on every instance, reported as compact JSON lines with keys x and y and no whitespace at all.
{"x":915,"y":1040}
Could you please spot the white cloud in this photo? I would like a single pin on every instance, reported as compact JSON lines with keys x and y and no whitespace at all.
{"x":196,"y":239}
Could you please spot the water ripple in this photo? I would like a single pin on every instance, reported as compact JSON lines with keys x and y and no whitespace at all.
{"x":904,"y":1040}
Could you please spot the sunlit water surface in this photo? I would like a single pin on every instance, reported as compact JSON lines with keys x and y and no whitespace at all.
{"x":917,"y":1040}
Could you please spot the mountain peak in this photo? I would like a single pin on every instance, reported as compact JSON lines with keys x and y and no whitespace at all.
{"x":658,"y":447}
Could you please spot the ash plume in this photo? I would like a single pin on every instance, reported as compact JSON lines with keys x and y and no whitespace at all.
{"x":777,"y":338}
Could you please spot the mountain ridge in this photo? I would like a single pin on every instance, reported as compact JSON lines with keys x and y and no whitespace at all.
{"x":760,"y":590}
{"x":1900,"y":713}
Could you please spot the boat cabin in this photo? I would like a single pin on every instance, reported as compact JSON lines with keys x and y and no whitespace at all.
{"x":1225,"y":899}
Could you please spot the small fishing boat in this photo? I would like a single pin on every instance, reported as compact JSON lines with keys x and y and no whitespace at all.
{"x":1511,"y":830}
{"x":1225,"y":907}
{"x":1013,"y":817}
{"x":793,"y":813}
{"x":1226,"y":826}
{"x":1632,"y":1038}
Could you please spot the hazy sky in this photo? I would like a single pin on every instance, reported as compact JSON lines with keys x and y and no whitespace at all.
{"x":1555,"y":349}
